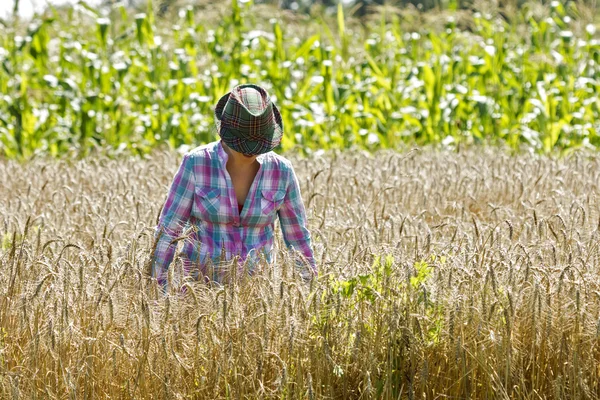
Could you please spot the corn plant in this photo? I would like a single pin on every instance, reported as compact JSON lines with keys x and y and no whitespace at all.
{"x":79,"y":79}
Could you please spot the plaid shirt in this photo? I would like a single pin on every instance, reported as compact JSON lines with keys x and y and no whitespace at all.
{"x":202,"y":194}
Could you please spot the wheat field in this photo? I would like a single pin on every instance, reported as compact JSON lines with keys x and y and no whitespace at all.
{"x":471,"y":274}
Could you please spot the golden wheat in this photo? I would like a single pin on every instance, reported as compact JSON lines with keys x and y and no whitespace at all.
{"x":492,"y":286}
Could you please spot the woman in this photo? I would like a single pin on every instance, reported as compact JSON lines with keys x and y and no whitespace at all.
{"x":231,"y":191}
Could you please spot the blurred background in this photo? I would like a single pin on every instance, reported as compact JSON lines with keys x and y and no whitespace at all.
{"x":130,"y":76}
{"x":26,"y":8}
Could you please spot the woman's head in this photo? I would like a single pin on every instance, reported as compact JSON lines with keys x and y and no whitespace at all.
{"x":248,"y":121}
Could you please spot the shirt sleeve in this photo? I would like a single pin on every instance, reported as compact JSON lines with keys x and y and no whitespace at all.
{"x":173,"y":219}
{"x":292,"y":218}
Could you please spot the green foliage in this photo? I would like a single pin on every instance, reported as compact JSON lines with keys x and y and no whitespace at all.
{"x":6,"y":241}
{"x":367,"y":286}
{"x":423,"y":273}
{"x":127,"y":83}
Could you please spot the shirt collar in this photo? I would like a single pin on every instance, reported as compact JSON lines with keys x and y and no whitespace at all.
{"x":223,"y":156}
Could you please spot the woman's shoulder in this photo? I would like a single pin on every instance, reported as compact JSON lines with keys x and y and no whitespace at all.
{"x":203,"y":152}
{"x":276,"y":161}
{"x":203,"y":148}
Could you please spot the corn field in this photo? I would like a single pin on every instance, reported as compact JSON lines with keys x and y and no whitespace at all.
{"x":82,"y":80}
{"x":470,"y":274}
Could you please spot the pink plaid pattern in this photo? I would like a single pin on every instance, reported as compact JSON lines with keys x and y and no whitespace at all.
{"x":202,"y":195}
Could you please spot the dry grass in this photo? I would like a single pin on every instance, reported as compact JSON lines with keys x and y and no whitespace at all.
{"x":505,"y":305}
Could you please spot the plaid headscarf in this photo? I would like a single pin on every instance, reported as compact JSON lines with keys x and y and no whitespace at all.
{"x":247,"y":120}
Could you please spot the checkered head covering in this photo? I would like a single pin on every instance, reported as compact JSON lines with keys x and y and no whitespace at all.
{"x":247,"y":120}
